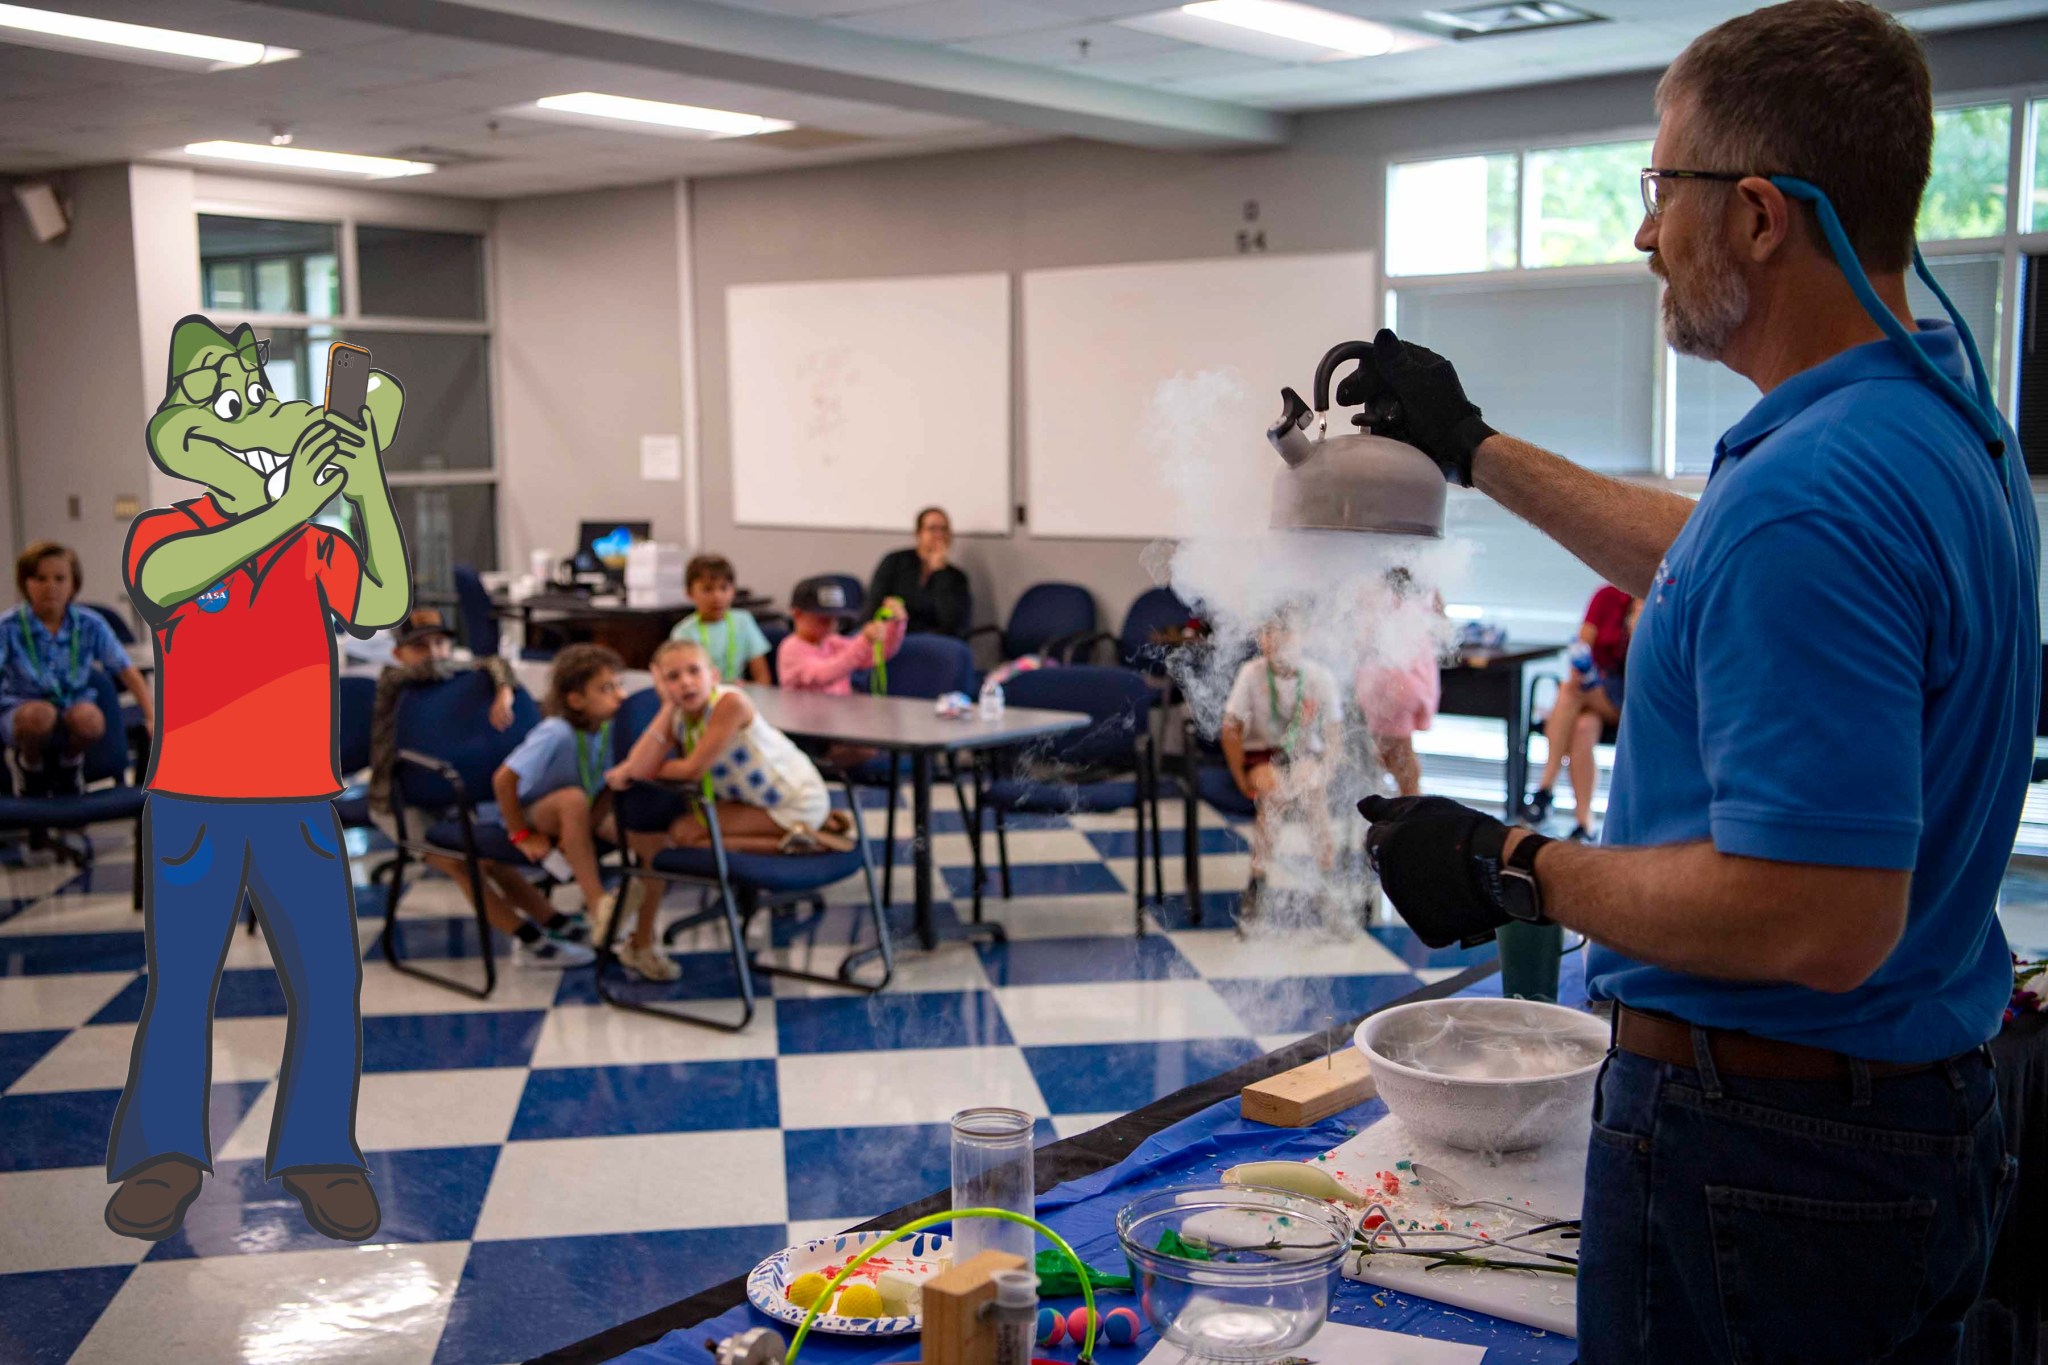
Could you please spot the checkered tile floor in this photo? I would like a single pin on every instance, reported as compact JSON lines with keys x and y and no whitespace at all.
{"x":550,"y":1166}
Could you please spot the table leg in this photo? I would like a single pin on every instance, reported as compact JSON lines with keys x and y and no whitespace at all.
{"x":1518,"y":744}
{"x":921,"y":844}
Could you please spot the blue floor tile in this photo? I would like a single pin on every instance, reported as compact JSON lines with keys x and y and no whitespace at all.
{"x":1034,"y":879}
{"x":56,"y":954}
{"x":70,"y":1127}
{"x":441,"y":1042}
{"x":20,"y":1051}
{"x":1219,"y":911}
{"x":434,"y":938}
{"x":432,"y":1195}
{"x":1062,"y":961}
{"x":856,"y":1172}
{"x":706,"y":976}
{"x":1123,"y":843}
{"x":245,"y":993}
{"x":669,"y":1097}
{"x":44,"y":1314}
{"x":1304,"y":1004}
{"x":1419,"y":955}
{"x":519,"y":1299}
{"x":873,"y":1023}
{"x":1099,"y":1078}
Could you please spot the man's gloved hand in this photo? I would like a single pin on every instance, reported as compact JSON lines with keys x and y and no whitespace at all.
{"x":1440,"y":418}
{"x":1440,"y":864}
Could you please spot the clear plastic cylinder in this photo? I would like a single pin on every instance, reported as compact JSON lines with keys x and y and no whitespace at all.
{"x":992,"y":1169}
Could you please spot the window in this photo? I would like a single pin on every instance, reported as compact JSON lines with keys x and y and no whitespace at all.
{"x":1965,"y":194}
{"x":1582,"y":205}
{"x":1972,"y":285}
{"x":1451,"y":217}
{"x":2037,"y":198}
{"x":1707,"y":399}
{"x":426,"y":292}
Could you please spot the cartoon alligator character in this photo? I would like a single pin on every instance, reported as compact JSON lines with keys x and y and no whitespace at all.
{"x":242,"y":590}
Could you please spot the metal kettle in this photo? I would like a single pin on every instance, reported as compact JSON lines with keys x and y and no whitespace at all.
{"x":1370,"y":481}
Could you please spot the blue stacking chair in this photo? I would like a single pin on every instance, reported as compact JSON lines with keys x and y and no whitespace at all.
{"x":116,"y":619}
{"x":476,"y":620}
{"x":110,"y":758}
{"x":1204,"y":777}
{"x":1153,"y":610}
{"x":1048,"y":619}
{"x":447,"y":752}
{"x":1107,"y":766}
{"x":739,"y":886}
{"x":926,"y":666}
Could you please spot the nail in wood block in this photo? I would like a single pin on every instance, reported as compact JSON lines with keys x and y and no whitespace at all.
{"x":955,"y":1333}
{"x":1313,"y":1091}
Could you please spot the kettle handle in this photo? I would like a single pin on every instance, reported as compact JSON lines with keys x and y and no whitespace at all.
{"x":1289,"y":435}
{"x":1327,"y":367}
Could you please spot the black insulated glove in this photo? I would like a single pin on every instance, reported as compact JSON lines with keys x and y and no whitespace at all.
{"x":1438,"y":416}
{"x":1440,"y":864}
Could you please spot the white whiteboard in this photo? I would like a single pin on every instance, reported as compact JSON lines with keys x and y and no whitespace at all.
{"x":1098,"y":343}
{"x":856,"y":402}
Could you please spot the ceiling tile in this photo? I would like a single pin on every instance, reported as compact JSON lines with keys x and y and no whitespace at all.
{"x":814,"y":9}
{"x":1062,"y":46}
{"x":948,"y":21}
{"x":1184,"y":62}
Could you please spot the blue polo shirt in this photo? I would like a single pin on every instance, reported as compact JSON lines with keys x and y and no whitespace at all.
{"x":1839,"y":663}
{"x":38,"y":666}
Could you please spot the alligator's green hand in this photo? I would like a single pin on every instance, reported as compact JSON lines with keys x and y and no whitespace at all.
{"x":313,"y":474}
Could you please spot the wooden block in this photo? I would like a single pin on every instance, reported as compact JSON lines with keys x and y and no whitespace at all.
{"x":1311,"y":1092}
{"x":955,"y":1333}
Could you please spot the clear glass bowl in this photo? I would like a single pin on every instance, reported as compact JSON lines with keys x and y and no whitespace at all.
{"x":1265,"y":1290}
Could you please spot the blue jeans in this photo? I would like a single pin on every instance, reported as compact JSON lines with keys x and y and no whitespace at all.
{"x":1739,"y":1220}
{"x":200,"y":858}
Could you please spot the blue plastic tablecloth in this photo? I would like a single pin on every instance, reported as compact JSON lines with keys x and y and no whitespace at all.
{"x":1194,"y":1151}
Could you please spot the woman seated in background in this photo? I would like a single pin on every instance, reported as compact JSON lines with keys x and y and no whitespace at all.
{"x":933,"y":590}
{"x":1588,"y":700}
{"x":48,"y":649}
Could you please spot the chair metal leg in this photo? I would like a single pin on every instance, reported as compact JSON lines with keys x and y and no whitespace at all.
{"x":136,"y":869}
{"x":1003,"y":851}
{"x":970,"y":817}
{"x":1191,"y":852}
{"x":607,"y":991}
{"x":1138,"y":864}
{"x":884,"y":946}
{"x":1158,"y":857}
{"x":889,"y":841}
{"x":389,"y":938}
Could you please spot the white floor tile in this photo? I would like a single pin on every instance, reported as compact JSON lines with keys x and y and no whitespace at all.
{"x":64,"y":1208}
{"x":1116,"y":1012}
{"x":953,"y":966}
{"x":1044,"y":846}
{"x":1429,"y":976}
{"x":598,"y":1035}
{"x":101,"y":913}
{"x":1028,"y":917}
{"x":389,"y":991}
{"x":568,"y":1186}
{"x":1220,"y":872}
{"x":1273,"y":1042}
{"x":47,"y":1002}
{"x":1307,"y":953}
{"x":379,"y":1305}
{"x":866,"y":1089}
{"x":811,"y":1229}
{"x":1073,"y":1125}
{"x":96,"y":1057}
{"x":402,"y":1110}
{"x":23,"y":883}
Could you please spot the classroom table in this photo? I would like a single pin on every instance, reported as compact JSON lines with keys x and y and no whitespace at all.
{"x":1490,"y":682}
{"x":634,"y":632}
{"x":908,"y":726}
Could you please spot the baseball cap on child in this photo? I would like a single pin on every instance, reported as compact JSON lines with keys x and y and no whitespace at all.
{"x":827,"y":596}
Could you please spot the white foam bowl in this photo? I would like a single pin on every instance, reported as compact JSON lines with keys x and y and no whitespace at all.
{"x":1488,"y":1113}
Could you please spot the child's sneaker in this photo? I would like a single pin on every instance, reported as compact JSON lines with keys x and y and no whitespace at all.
{"x":649,"y":963}
{"x":1537,"y":808}
{"x":573,"y":929}
{"x":617,"y":911}
{"x":552,"y":954}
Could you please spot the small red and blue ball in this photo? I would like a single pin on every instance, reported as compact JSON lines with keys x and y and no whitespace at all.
{"x":1120,"y":1326}
{"x":1077,"y":1324}
{"x":1052,"y":1328}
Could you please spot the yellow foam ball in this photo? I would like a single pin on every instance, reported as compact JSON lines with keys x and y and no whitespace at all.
{"x":806,"y":1289}
{"x":860,"y":1301}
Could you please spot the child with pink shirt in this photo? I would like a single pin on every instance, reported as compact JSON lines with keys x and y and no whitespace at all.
{"x":815,"y":657}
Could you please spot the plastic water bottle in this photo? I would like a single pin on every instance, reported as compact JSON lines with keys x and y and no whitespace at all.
{"x":991,"y":700}
{"x":1580,"y":657}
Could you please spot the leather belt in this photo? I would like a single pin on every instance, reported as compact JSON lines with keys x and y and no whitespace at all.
{"x":1664,"y":1039}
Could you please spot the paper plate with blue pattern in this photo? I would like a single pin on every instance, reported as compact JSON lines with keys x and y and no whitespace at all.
{"x":921,"y":1255}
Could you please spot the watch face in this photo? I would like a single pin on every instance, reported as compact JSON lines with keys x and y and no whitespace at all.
{"x":1519,"y":896}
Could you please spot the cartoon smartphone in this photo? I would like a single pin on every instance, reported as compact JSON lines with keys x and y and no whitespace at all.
{"x":348,"y":379}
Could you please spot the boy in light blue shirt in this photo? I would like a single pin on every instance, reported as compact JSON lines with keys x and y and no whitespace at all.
{"x":733,"y":638}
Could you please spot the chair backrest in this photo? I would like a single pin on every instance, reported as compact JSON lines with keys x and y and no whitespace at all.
{"x":1117,"y":700}
{"x":450,"y":720}
{"x":111,"y":755}
{"x":775,"y":632}
{"x":930,"y":666}
{"x":353,"y":705}
{"x":115,"y":618}
{"x":476,"y":624}
{"x":631,"y":722}
{"x":1045,"y":613}
{"x":1155,"y":609}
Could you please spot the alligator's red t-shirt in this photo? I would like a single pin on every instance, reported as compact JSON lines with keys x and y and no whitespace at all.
{"x":246,"y":671}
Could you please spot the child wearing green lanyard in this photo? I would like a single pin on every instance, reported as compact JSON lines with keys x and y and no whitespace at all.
{"x":731,"y":638}
{"x":551,"y":789}
{"x":1282,"y":726}
{"x":48,"y":649}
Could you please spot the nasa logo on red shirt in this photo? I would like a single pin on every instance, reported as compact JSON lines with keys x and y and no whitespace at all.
{"x":214,"y":598}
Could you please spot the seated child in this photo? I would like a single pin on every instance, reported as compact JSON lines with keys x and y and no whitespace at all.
{"x":731,"y":637}
{"x":1398,"y":698}
{"x":48,"y":649}
{"x":551,"y":790}
{"x":815,"y":657}
{"x":1282,"y":726}
{"x":544,"y":937}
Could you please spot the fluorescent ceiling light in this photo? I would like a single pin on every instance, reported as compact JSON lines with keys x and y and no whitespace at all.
{"x":132,"y":42}
{"x":685,"y":118}
{"x":306,"y":159}
{"x":1339,"y":35}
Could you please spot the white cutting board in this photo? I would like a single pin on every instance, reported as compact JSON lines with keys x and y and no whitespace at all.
{"x":1551,"y":1178}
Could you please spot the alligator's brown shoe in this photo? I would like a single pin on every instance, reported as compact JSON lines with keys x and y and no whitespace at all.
{"x":151,"y":1202}
{"x":337,"y":1200}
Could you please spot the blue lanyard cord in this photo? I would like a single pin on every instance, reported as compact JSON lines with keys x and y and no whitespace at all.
{"x":1980,"y":409}
{"x":35,"y":663}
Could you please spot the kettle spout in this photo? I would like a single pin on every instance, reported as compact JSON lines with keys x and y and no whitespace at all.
{"x":1290,"y":435}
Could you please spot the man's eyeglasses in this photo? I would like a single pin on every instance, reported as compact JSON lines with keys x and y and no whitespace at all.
{"x":200,"y":383}
{"x":1653,"y":178}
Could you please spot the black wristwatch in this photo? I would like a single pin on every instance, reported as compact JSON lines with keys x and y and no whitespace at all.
{"x":1521,"y":899}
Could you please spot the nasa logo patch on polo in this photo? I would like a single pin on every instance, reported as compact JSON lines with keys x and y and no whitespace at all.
{"x":214,"y":598}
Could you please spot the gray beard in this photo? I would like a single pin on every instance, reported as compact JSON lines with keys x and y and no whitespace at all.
{"x":1712,"y":306}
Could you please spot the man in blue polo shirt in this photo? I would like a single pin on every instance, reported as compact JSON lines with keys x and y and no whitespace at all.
{"x":1797,"y":1147}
